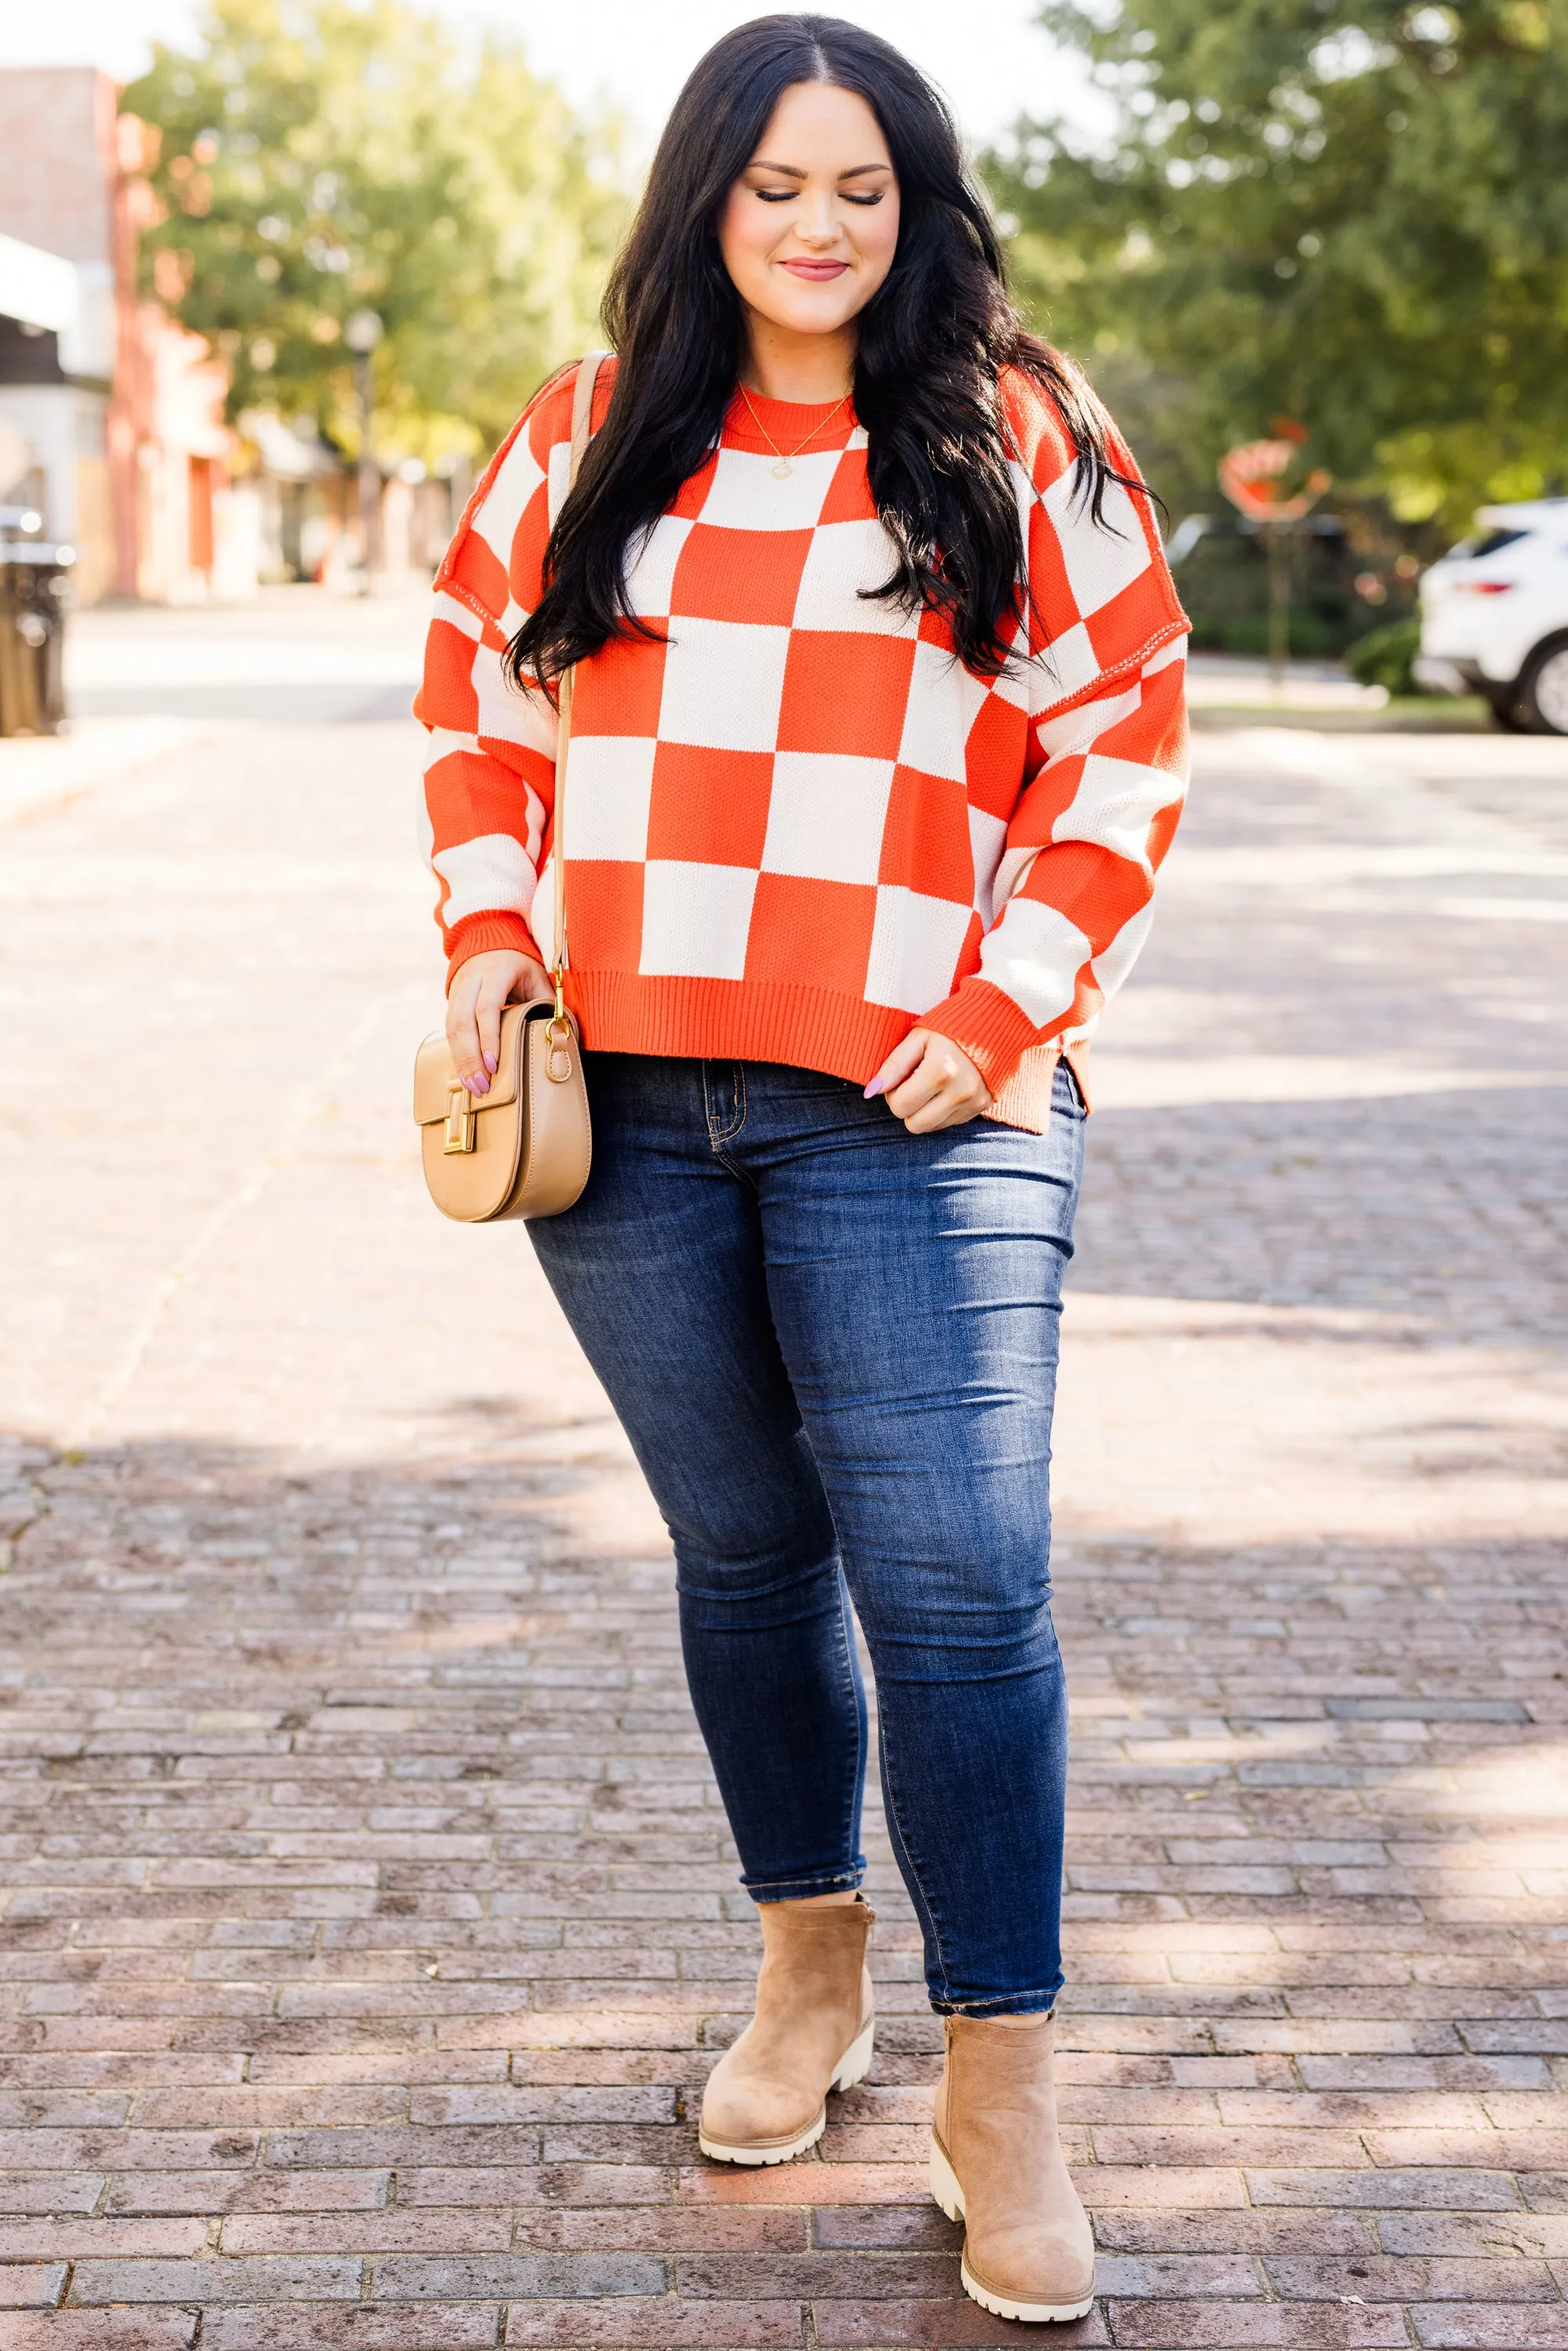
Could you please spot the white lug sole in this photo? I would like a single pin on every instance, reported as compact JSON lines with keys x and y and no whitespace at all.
{"x":718,"y":2151}
{"x":852,"y":2067}
{"x":947,"y":2193}
{"x":855,"y":2062}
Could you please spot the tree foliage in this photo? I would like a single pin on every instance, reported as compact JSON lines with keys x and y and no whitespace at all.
{"x":1350,"y":211}
{"x":318,"y":157}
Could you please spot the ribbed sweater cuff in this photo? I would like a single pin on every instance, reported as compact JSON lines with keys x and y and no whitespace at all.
{"x":479,"y":934}
{"x":987,"y":1025}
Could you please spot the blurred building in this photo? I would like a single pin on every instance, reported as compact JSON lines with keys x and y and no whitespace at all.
{"x":111,"y":414}
{"x":309,"y":509}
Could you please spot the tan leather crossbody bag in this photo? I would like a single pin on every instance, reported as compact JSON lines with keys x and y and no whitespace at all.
{"x":524,"y":1148}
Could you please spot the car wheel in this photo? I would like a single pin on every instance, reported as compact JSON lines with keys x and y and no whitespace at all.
{"x":1544,"y":690}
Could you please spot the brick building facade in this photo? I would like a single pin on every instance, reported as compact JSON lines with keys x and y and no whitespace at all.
{"x":116,"y":412}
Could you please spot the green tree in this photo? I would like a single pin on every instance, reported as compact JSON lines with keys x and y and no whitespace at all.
{"x":1351,"y":212}
{"x":317,"y":157}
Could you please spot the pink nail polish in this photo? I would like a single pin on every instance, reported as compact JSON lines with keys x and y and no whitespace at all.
{"x":873,"y":1089}
{"x":478,"y":1083}
{"x":490,"y":1063}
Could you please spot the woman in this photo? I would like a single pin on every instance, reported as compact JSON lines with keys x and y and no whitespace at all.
{"x":877,"y":739}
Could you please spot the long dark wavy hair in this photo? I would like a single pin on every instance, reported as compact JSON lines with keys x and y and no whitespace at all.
{"x":931,"y":340}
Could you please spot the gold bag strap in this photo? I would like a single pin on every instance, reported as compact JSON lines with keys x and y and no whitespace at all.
{"x":582,"y":423}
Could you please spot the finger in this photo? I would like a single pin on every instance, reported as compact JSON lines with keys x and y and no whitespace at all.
{"x":936,"y":1110}
{"x":945,"y":1111}
{"x":488,"y":1019}
{"x":932,"y":1074}
{"x":945,"y":1091}
{"x":905,"y":1056}
{"x":462,"y":1033}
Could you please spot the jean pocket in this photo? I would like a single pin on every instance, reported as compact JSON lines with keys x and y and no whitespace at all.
{"x":1066,"y":1096}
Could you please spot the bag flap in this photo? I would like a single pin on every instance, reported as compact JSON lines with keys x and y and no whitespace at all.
{"x":433,"y":1069}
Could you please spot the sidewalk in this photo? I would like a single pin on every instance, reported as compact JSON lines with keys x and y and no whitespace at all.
{"x":367,"y":1922}
{"x":1236,"y":690}
{"x":39,"y":771}
{"x":1241,"y":682}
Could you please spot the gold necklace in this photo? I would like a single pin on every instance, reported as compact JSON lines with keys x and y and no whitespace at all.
{"x":783,"y":469}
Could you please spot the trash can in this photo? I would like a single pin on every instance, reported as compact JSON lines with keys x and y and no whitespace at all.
{"x":35,"y":594}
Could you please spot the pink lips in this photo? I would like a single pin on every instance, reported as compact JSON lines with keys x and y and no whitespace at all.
{"x":818,"y":272}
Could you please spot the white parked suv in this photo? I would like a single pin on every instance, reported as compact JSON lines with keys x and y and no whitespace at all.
{"x":1494,"y":616}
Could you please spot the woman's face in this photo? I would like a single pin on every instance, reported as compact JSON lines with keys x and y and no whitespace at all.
{"x":808,"y":229}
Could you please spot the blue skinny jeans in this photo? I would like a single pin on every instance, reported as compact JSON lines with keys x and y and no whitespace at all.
{"x":833,"y":1345}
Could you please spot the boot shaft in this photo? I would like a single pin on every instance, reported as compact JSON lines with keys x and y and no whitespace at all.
{"x":997,"y":2073}
{"x":815,"y":1955}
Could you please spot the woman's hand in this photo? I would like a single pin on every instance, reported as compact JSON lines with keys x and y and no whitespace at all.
{"x":930,"y":1083}
{"x":482,"y":985}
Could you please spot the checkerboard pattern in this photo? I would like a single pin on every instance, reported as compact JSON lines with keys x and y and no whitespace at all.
{"x":797,"y":827}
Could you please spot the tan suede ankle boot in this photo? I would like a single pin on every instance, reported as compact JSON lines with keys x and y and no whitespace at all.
{"x":996,"y":2159}
{"x":767,"y":2097}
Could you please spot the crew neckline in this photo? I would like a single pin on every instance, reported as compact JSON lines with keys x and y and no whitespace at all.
{"x":795,"y":423}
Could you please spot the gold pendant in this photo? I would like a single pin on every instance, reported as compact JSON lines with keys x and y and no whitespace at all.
{"x":782,"y":470}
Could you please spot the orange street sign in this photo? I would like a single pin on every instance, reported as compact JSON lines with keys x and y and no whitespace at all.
{"x":1253,"y":478}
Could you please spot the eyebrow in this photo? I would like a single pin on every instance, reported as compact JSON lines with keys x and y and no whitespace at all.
{"x":793,"y":171}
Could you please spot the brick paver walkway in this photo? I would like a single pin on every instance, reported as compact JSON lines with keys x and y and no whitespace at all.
{"x":369,"y":1926}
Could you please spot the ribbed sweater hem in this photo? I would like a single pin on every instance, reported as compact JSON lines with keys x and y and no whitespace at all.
{"x":729,"y":1019}
{"x":807,"y":1028}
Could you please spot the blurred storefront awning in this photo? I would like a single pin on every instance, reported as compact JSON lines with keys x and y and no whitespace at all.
{"x":37,"y":288}
{"x":288,"y":454}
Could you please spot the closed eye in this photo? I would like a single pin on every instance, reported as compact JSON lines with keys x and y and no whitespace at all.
{"x":788,"y":195}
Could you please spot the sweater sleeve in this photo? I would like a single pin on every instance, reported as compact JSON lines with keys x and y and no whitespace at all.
{"x":489,"y":777}
{"x":1106,"y":769}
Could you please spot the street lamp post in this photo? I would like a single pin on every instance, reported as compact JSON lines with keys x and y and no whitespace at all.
{"x":1278,"y":605}
{"x":362,"y":332}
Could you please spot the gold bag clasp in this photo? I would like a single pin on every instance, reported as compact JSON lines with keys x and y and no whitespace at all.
{"x":459,"y":1135}
{"x":557,"y":1051}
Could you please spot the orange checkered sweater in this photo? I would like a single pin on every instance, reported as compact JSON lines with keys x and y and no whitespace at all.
{"x":798,"y":828}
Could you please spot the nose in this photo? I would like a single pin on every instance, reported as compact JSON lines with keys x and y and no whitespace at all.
{"x":819,"y":220}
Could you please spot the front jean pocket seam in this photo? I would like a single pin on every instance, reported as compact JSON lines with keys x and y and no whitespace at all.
{"x":719,"y":1135}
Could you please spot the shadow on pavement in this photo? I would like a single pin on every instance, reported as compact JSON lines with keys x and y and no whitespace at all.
{"x":1445,"y":1212}
{"x":370,"y":1897}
